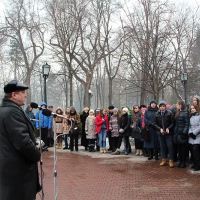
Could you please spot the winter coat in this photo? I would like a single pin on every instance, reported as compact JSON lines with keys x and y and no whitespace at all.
{"x":168,"y":119}
{"x":149,"y":118}
{"x":45,"y":121}
{"x":66,"y":126}
{"x":18,"y":154}
{"x":99,"y":122}
{"x":135,"y":132}
{"x":124,"y":123}
{"x":90,"y":127}
{"x":181,"y":128}
{"x":58,"y":122}
{"x":195,"y":129}
{"x":74,"y":125}
{"x":114,"y":126}
{"x":83,"y":117}
{"x":30,"y":114}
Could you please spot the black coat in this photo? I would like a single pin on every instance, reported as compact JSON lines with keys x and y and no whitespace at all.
{"x":124,"y":124}
{"x":83,"y":136}
{"x":168,"y":119}
{"x":149,"y":118}
{"x":18,"y":154}
{"x":181,"y":128}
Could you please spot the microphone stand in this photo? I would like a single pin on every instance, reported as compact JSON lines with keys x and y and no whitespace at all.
{"x":55,"y":156}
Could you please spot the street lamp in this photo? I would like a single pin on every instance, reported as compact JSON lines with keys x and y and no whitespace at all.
{"x":45,"y":72}
{"x":183,"y":77}
{"x":90,"y":95}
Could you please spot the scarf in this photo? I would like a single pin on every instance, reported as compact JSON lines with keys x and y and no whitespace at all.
{"x":143,"y":123}
{"x":91,"y":119}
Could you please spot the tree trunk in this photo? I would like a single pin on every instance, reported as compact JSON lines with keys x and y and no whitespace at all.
{"x":110,"y":92}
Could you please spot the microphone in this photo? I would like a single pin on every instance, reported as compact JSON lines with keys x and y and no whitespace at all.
{"x":35,"y":105}
{"x":47,"y":112}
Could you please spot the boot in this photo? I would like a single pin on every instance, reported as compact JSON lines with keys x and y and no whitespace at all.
{"x":57,"y":145}
{"x":171,"y":163}
{"x":117,"y":152}
{"x":126,"y":152}
{"x":156,"y":154}
{"x":151,"y":154}
{"x":197,"y":166}
{"x":140,"y":152}
{"x":183,"y":164}
{"x":101,"y":150}
{"x":193,"y":166}
{"x":60,"y":145}
{"x":164,"y":162}
{"x":104,"y":150}
{"x":137,"y":152}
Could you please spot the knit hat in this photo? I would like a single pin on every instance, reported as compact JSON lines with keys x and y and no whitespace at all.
{"x":197,"y":97}
{"x":143,"y":109}
{"x":153,"y":101}
{"x":115,"y":110}
{"x":72,"y":108}
{"x":161,"y":103}
{"x":91,"y":110}
{"x":111,"y":107}
{"x":125,"y":109}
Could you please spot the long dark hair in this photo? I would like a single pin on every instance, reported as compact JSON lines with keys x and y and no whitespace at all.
{"x":196,"y":107}
{"x":183,"y":106}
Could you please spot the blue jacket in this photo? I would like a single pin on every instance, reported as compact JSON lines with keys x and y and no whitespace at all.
{"x":45,"y":121}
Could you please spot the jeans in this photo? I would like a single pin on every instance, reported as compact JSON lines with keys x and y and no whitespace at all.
{"x":166,"y":145}
{"x":102,"y":138}
{"x":65,"y":139}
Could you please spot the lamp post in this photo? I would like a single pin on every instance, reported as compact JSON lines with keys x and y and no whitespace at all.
{"x":45,"y":72}
{"x":183,"y":77}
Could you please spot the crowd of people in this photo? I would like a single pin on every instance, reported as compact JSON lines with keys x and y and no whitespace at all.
{"x":158,"y":129}
{"x":172,"y":132}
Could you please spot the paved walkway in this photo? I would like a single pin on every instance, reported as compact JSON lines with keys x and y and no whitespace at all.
{"x":94,"y":176}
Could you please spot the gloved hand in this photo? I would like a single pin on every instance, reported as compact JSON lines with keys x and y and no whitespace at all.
{"x":192,"y":136}
{"x":86,"y":132}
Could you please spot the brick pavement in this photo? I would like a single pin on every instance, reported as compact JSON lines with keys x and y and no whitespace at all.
{"x":94,"y":176}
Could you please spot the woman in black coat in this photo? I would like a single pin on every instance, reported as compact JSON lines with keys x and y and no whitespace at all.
{"x":83,"y":117}
{"x":153,"y":144}
{"x":181,"y":132}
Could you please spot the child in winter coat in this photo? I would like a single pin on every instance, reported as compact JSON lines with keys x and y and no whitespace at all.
{"x":90,"y":130}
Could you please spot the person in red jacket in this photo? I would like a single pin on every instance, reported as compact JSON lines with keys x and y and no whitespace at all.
{"x":102,"y":127}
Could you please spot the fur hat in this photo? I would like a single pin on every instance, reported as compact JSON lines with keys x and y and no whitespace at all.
{"x":153,"y":101}
{"x":91,"y":110}
{"x":115,"y":110}
{"x":125,"y":109}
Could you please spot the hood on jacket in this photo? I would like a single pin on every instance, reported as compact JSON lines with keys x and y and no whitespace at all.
{"x":27,"y":109}
{"x":61,"y":111}
{"x":43,"y":103}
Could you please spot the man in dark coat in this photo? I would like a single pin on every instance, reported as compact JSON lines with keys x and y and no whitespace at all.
{"x":18,"y":152}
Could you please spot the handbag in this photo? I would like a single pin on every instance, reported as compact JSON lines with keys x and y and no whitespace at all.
{"x":145,"y":134}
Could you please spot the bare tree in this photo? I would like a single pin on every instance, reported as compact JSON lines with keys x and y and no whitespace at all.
{"x":22,"y":25}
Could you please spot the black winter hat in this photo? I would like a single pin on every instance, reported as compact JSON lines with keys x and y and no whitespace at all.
{"x":111,"y":107}
{"x":14,"y":85}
